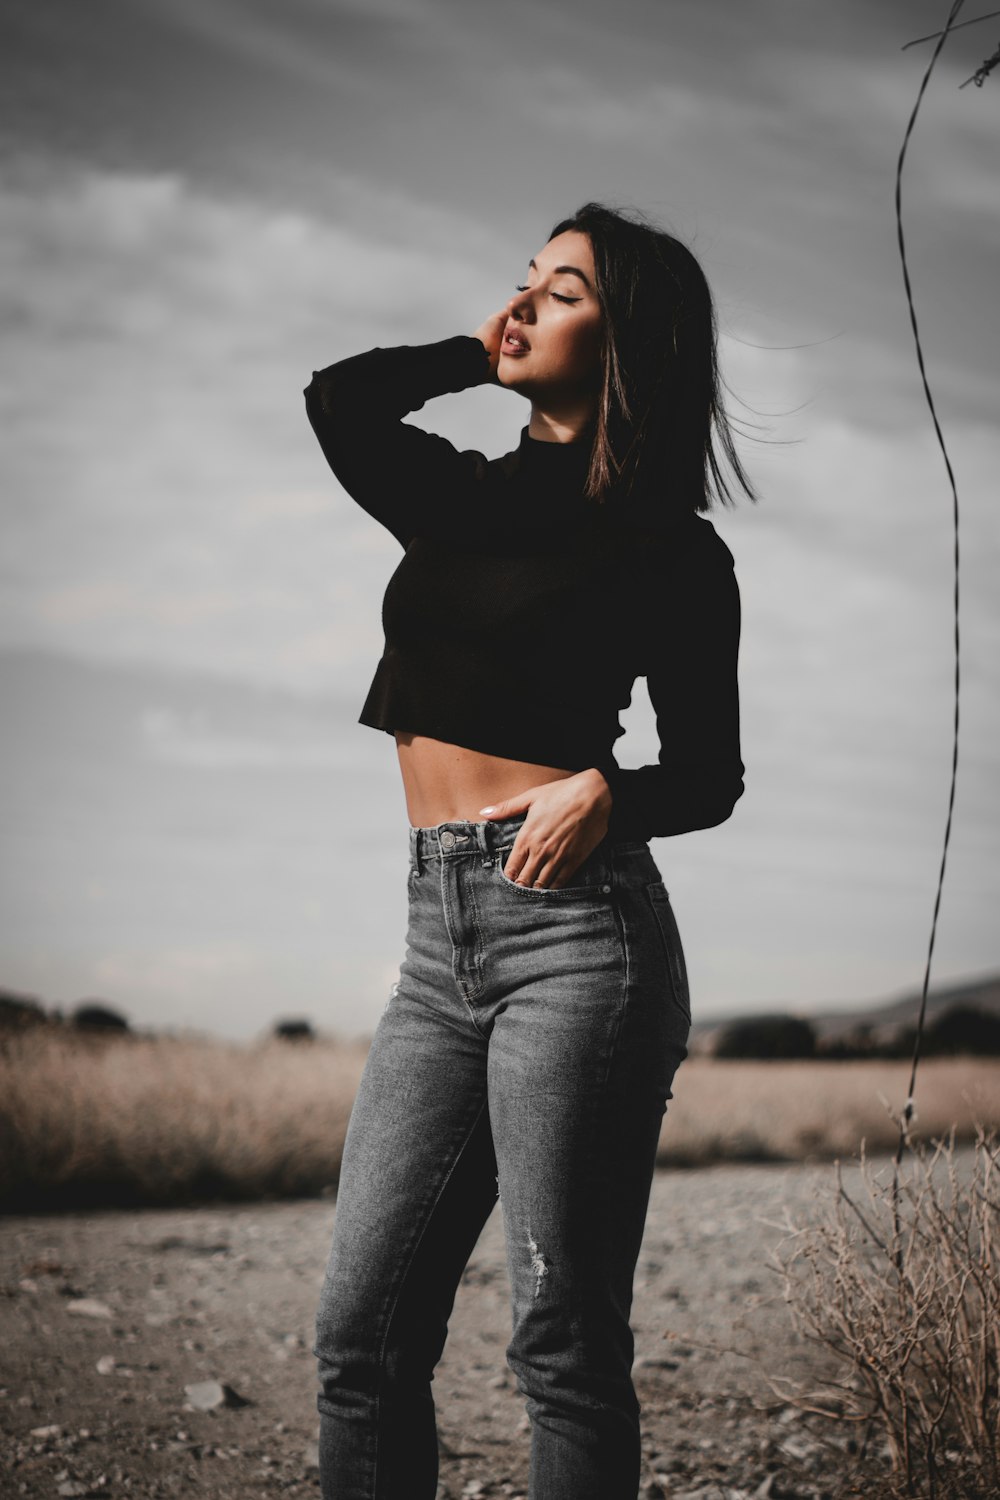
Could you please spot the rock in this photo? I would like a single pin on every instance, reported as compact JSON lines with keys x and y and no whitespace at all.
{"x":207,"y":1395}
{"x":52,"y":1431}
{"x":310,"y":1455}
{"x":45,"y":1264}
{"x":89,"y":1307}
{"x":73,"y":1487}
{"x":799,"y":1448}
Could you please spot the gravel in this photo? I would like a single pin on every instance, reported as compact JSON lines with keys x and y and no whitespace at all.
{"x":168,"y":1352}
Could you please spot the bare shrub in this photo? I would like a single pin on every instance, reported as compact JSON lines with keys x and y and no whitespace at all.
{"x":767,"y":1037}
{"x":900,"y":1282}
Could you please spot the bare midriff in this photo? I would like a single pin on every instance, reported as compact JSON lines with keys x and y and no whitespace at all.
{"x":448,"y":783}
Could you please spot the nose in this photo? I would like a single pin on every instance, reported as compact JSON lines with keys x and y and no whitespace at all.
{"x":520,"y":306}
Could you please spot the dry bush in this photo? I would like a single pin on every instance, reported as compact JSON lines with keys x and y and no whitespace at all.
{"x":898,"y":1280}
{"x":167,"y":1120}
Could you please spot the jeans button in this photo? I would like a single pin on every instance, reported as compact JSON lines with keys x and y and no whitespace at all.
{"x":447,"y":839}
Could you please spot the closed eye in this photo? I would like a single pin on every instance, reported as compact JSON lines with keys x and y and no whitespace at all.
{"x":554,"y":294}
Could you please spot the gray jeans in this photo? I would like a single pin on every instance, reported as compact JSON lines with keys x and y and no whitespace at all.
{"x":528,"y":1049}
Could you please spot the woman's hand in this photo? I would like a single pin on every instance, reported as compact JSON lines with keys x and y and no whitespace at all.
{"x":490,"y":334}
{"x":566,"y":820}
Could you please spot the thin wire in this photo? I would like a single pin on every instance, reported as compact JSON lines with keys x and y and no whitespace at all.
{"x":987,"y":17}
{"x":908,"y":1110}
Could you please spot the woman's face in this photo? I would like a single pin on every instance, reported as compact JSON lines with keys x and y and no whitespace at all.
{"x":552,"y":345}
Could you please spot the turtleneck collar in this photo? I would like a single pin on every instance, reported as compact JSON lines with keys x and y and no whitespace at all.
{"x":554,"y":459}
{"x":555,"y":474}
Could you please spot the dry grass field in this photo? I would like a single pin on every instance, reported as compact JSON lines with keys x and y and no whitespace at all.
{"x":128,"y":1120}
{"x":816,"y":1110}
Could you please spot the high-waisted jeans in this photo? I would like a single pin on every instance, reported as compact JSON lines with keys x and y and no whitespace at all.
{"x":527,"y":1051}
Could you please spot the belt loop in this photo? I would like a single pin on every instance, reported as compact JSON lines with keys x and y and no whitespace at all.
{"x":415,"y":849}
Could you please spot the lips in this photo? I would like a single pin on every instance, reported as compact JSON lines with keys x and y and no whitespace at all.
{"x":514,"y":339}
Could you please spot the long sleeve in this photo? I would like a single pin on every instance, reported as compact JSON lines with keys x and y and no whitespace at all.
{"x":692,"y":644}
{"x":407,"y":479}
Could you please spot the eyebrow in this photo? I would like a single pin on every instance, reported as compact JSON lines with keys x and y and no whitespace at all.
{"x":573,"y":271}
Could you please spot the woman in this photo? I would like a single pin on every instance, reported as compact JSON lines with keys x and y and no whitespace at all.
{"x":542,"y":1008}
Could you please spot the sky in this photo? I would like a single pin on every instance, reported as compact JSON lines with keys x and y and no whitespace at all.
{"x":202,"y":204}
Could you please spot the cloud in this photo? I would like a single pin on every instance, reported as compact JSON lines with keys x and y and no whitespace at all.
{"x":166,"y":496}
{"x":311,"y":42}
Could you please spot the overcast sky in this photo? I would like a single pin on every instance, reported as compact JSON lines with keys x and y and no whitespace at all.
{"x":203,"y":203}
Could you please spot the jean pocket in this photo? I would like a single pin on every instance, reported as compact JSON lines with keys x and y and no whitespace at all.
{"x":666,"y":922}
{"x":592,"y":879}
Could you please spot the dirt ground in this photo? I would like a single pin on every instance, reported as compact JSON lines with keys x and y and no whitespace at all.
{"x":109,"y":1316}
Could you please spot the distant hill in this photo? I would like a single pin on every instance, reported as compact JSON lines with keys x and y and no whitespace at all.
{"x":982,"y":993}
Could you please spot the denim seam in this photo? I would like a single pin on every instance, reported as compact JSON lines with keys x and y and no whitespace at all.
{"x":671,"y":958}
{"x":402,"y":1282}
{"x":480,"y":984}
{"x":626,"y":981}
{"x":448,"y":909}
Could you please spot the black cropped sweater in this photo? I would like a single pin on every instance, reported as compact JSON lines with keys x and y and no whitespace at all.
{"x":522,"y":612}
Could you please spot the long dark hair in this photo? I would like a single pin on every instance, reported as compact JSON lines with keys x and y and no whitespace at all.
{"x":660,"y":421}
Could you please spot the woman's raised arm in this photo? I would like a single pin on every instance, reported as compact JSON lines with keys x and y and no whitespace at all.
{"x":405,"y":478}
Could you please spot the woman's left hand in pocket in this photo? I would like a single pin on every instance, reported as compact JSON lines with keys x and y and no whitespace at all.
{"x":566,"y":820}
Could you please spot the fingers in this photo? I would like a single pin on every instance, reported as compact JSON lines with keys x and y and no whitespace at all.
{"x":531,"y":870}
{"x":544,"y":871}
{"x":490,"y":332}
